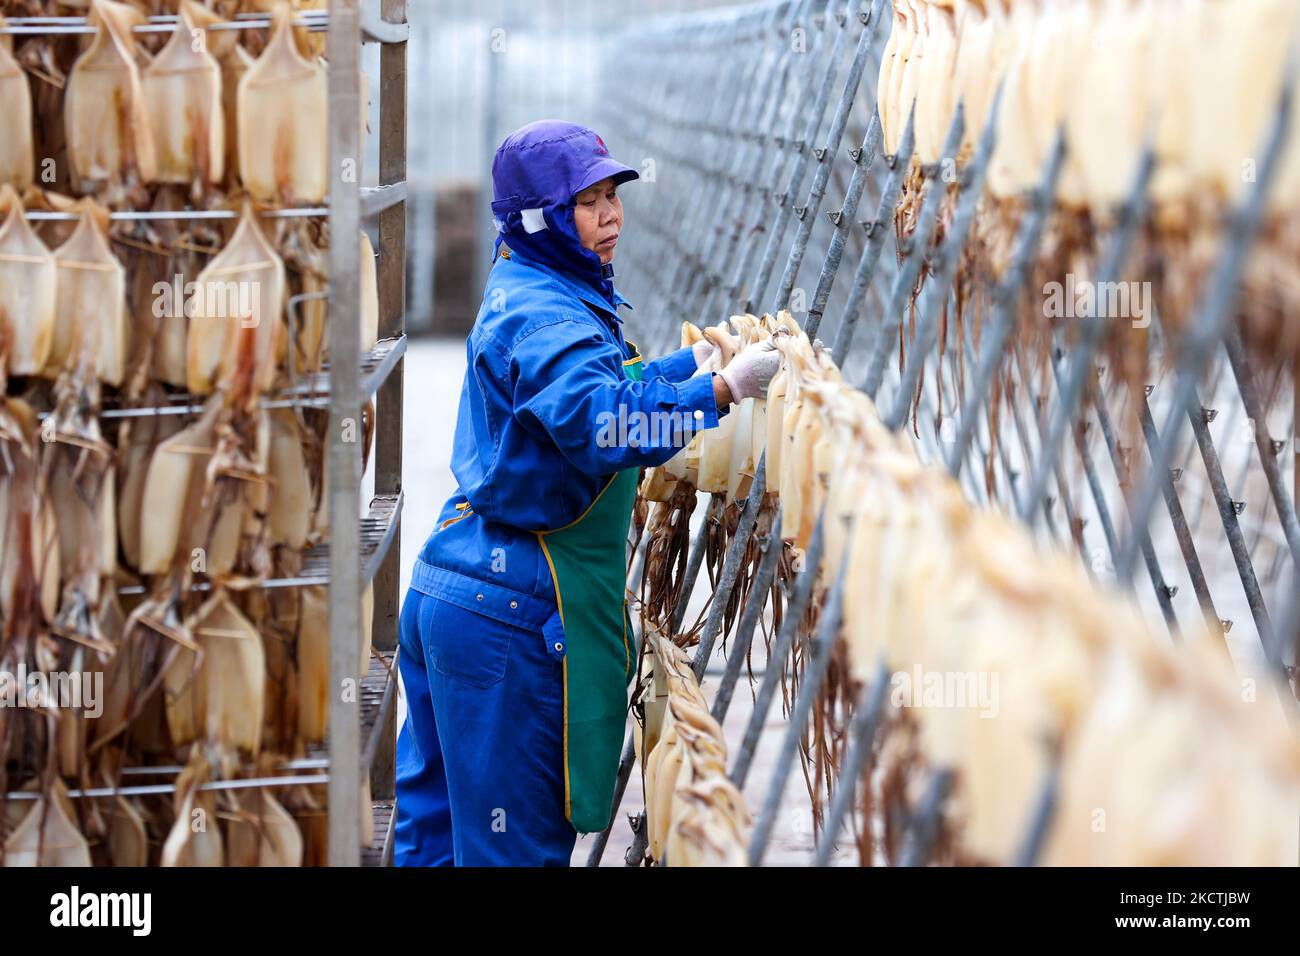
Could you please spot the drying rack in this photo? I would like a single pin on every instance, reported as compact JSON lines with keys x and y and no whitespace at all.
{"x":384,"y":22}
{"x":789,"y":123}
{"x":362,"y":731}
{"x":375,"y":27}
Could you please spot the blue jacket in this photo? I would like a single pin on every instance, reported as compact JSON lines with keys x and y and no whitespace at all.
{"x":543,"y":422}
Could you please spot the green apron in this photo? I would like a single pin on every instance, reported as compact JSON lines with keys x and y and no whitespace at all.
{"x":588,"y":562}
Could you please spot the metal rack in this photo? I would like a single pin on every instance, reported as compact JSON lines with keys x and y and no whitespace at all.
{"x":350,"y":569}
{"x":708,"y":237}
{"x":362,"y":732}
{"x":375,"y":368}
{"x":377,"y":697}
{"x":375,"y":28}
{"x":374,"y":200}
{"x":378,"y":532}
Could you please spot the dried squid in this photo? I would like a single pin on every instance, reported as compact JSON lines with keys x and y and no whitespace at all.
{"x":17,"y":156}
{"x":283,"y":121}
{"x":110,"y":139}
{"x":182,"y":96}
{"x":27,"y":290}
{"x":242,"y":288}
{"x":91,"y":298}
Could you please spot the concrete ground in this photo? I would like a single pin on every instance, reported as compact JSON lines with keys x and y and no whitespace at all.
{"x":434,"y":369}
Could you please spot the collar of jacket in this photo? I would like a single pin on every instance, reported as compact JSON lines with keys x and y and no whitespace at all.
{"x":580,"y":289}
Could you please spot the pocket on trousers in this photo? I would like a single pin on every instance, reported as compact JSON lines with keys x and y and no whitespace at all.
{"x":466,"y":645}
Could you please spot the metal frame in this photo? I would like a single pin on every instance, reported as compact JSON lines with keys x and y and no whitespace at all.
{"x":712,"y":213}
{"x":389,"y":401}
{"x":347,"y":577}
{"x":362,"y":734}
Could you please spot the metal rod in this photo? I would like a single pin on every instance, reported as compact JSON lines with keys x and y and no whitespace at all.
{"x":807,"y":213}
{"x":1183,"y":534}
{"x":862,"y":738}
{"x":1227,"y":508}
{"x":992,"y":347}
{"x":625,"y":764}
{"x":710,"y":217}
{"x":917,"y":245}
{"x":877,"y":229}
{"x":750,"y":612}
{"x":692,"y":573}
{"x":1163,"y":592}
{"x":1268,"y":449}
{"x":1025,"y":385}
{"x":731,"y":568}
{"x":862,"y":158}
{"x":737,"y":290}
{"x":159,"y":789}
{"x":946,"y":259}
{"x":1044,"y":811}
{"x":925,"y":825}
{"x":344,"y":455}
{"x":1131,"y":215}
{"x":810,"y":685}
{"x":780,"y":650}
{"x":79,"y":26}
{"x":374,"y":200}
{"x":1208,"y":324}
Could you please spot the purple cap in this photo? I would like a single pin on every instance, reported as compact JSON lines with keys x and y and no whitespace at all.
{"x":547,"y":163}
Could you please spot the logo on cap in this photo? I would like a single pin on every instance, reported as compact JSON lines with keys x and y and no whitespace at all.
{"x":600,"y":146}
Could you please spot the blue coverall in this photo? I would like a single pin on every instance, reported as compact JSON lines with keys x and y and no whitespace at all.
{"x":481,"y":642}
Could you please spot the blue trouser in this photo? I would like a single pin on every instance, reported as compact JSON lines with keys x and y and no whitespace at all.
{"x":480,"y":758}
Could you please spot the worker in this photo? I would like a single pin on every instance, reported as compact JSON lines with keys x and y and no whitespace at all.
{"x":516,"y":644}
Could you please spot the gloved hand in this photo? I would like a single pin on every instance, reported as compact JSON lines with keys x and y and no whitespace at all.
{"x":703,"y":350}
{"x":749,"y":372}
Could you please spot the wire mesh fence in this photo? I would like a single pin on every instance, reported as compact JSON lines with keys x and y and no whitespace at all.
{"x":1170,"y":467}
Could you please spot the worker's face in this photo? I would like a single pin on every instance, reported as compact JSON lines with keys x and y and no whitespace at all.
{"x":598,"y":214}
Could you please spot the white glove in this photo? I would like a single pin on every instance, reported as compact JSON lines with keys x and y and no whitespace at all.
{"x":749,"y":372}
{"x":703,"y":351}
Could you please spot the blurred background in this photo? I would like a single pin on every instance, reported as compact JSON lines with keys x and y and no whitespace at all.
{"x":479,"y":69}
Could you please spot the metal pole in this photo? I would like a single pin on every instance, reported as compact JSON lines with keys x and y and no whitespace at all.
{"x":825,"y":155}
{"x":388,"y":403}
{"x":1004,"y":301}
{"x":1209,"y":323}
{"x":828,"y":632}
{"x":1131,"y":214}
{"x":917,"y":245}
{"x":780,"y":650}
{"x":344,"y":789}
{"x":877,"y":230}
{"x":862,"y":739}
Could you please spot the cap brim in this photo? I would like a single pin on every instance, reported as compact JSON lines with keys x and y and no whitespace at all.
{"x":604,"y":169}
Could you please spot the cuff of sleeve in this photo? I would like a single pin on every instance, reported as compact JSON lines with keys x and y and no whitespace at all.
{"x":677,"y":366}
{"x":695,"y":398}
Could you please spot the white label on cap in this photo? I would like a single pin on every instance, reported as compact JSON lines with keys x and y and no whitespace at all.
{"x":533,"y":220}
